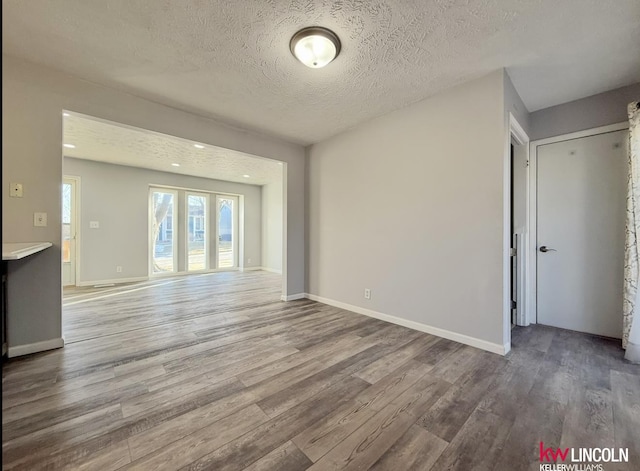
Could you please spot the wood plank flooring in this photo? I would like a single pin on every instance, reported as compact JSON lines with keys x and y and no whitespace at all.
{"x":215,"y":372}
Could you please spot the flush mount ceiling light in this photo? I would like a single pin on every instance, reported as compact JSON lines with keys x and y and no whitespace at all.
{"x":315,"y":46}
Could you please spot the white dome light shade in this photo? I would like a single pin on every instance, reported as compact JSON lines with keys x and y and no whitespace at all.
{"x":315,"y":46}
{"x":315,"y":51}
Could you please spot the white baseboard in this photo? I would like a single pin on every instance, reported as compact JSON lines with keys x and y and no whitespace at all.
{"x":293,"y":297}
{"x":114,"y":281}
{"x":270,"y":270}
{"x":20,"y":350}
{"x":447,"y":334}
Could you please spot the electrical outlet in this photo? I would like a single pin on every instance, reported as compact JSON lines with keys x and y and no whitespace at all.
{"x":15,"y":190}
{"x":94,"y":224}
{"x":40,"y":219}
{"x":119,"y":269}
{"x":248,"y":260}
{"x":367,"y":293}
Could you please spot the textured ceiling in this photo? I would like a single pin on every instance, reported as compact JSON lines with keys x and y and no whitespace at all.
{"x":123,"y":145}
{"x":230,"y":60}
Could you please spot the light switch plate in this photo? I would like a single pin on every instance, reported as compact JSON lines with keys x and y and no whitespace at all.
{"x":94,"y":224}
{"x":15,"y":190}
{"x":40,"y":219}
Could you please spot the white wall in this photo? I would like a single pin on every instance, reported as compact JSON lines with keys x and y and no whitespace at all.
{"x":272,"y":199}
{"x":411,"y":206}
{"x":513,"y":104}
{"x":587,"y":113}
{"x":33,"y":100}
{"x":118,"y":197}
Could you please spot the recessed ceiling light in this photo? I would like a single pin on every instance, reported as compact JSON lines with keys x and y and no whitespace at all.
{"x":65,"y":114}
{"x":315,"y":46}
{"x":176,"y":165}
{"x":69,"y":146}
{"x":198,"y":146}
{"x":246,"y":176}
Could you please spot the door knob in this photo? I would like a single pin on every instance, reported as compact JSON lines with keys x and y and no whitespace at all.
{"x":544,"y":249}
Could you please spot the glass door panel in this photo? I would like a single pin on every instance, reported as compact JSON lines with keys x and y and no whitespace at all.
{"x":227,"y":207}
{"x":69,"y":232}
{"x":197,"y":232}
{"x":163,"y":221}
{"x":66,"y":222}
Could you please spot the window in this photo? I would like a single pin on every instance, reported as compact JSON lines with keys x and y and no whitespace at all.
{"x":163,"y":248}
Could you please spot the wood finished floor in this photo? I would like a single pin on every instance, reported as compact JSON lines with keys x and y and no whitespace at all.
{"x":215,"y":372}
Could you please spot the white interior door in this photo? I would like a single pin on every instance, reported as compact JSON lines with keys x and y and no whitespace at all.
{"x":69,"y":236}
{"x":581,"y":220}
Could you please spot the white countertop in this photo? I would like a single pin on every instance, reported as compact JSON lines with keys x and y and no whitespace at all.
{"x":18,"y":250}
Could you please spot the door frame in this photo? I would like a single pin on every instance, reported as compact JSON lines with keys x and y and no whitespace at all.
{"x":75,"y":215}
{"x":531,"y":294}
{"x":515,"y":132}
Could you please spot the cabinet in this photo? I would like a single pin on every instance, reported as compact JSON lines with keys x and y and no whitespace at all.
{"x":14,"y":251}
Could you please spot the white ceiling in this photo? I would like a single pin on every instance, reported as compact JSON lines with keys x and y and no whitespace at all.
{"x":103,"y":141}
{"x":230,"y":60}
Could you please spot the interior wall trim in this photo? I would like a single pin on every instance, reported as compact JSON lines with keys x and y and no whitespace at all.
{"x":447,"y":334}
{"x":114,"y":281}
{"x":36,"y":347}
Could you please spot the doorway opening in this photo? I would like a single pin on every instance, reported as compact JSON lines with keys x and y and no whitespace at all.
{"x":513,"y":272}
{"x":516,"y":226}
{"x":161,"y":211}
{"x":518,"y":229}
{"x":70,"y":230}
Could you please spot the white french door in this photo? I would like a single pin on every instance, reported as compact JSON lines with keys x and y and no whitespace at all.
{"x":163,"y":231}
{"x":183,"y":226}
{"x":197,"y":215}
{"x":227,"y":231}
